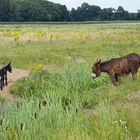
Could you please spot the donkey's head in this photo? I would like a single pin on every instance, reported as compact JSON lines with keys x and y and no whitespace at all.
{"x":96,"y":71}
{"x":8,"y":67}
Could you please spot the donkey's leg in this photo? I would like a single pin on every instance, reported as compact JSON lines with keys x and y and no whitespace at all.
{"x":134,"y":73}
{"x":2,"y":80}
{"x":6,"y":80}
{"x":1,"y":83}
{"x":116,"y":76}
{"x":113,"y":79}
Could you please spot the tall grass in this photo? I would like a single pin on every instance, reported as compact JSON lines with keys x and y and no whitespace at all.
{"x":35,"y":120}
{"x":73,"y":84}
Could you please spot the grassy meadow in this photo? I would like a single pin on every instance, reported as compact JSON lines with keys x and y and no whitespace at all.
{"x":60,"y":100}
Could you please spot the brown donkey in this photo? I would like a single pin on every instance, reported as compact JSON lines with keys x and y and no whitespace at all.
{"x":117,"y":67}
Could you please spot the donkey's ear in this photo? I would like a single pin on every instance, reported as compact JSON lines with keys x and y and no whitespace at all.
{"x":99,"y":61}
{"x":9,"y":63}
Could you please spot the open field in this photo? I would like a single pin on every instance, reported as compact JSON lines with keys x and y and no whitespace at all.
{"x":60,"y":100}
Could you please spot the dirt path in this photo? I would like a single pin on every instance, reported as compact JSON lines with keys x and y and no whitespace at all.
{"x":12,"y":77}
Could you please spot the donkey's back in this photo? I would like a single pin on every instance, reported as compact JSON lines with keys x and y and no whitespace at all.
{"x":125,"y":65}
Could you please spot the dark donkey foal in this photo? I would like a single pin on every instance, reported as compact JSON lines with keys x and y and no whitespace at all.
{"x":117,"y":67}
{"x":3,"y":74}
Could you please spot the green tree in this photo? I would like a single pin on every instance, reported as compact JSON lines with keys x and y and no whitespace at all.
{"x":43,"y":10}
{"x":138,"y":15}
{"x":9,"y":10}
{"x":121,"y":14}
{"x":108,"y":14}
{"x":73,"y":14}
{"x":33,"y":10}
{"x":86,"y":12}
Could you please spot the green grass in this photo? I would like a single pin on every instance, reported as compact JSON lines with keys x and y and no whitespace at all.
{"x":1,"y":99}
{"x":62,"y":101}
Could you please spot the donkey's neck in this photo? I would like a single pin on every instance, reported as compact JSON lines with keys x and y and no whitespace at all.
{"x":4,"y":70}
{"x":104,"y":66}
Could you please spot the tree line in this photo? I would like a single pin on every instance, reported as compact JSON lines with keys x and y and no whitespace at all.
{"x":43,"y":10}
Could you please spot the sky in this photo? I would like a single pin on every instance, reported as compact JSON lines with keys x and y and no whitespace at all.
{"x":129,"y":5}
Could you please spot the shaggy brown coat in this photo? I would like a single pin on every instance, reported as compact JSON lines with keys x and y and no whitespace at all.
{"x":117,"y":67}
